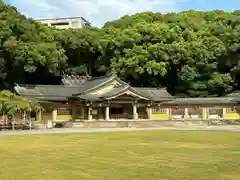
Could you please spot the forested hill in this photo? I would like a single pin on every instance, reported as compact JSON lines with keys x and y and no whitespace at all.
{"x":191,"y":53}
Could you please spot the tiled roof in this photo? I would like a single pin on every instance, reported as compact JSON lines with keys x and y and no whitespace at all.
{"x":61,"y":90}
{"x":155,"y":93}
{"x":47,"y":90}
{"x":199,"y":101}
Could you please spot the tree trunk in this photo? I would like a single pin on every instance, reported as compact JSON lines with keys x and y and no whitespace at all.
{"x":3,"y":118}
{"x":30,"y":120}
{"x":13,"y":126}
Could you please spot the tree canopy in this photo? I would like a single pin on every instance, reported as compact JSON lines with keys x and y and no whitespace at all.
{"x":191,"y":53}
{"x":27,"y":48}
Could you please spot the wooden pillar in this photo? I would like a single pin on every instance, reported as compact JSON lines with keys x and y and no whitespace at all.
{"x":204,"y":112}
{"x":107,"y":112}
{"x":186,"y":116}
{"x":149,"y":112}
{"x":90,"y":113}
{"x":135,"y":114}
{"x":224,"y":113}
{"x":54,"y":114}
{"x":170,"y":113}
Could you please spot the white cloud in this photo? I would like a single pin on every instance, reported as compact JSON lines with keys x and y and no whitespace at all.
{"x":95,"y":11}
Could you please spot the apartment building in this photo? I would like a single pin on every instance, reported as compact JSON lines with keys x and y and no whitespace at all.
{"x":65,"y":23}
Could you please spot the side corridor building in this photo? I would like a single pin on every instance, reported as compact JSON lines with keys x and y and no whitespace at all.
{"x":109,"y":98}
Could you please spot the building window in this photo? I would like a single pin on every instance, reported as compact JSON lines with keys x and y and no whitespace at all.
{"x":60,"y":24}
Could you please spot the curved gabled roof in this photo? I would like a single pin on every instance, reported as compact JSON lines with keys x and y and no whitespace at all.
{"x":149,"y":94}
{"x":64,"y":90}
{"x":84,"y":91}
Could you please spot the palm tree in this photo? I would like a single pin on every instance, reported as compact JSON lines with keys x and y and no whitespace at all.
{"x":28,"y":106}
{"x":10,"y":104}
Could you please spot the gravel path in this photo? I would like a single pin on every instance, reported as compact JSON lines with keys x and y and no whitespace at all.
{"x":84,"y":130}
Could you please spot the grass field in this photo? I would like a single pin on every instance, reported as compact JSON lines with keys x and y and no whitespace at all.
{"x":148,"y":155}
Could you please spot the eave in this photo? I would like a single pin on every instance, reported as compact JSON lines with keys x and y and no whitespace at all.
{"x":126,"y":90}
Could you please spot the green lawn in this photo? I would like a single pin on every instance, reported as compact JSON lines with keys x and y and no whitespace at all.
{"x":157,"y":155}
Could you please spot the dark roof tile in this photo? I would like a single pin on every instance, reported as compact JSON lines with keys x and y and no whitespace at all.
{"x":51,"y":92}
{"x":46,"y":90}
{"x":199,"y":101}
{"x":60,"y":90}
{"x":155,"y":93}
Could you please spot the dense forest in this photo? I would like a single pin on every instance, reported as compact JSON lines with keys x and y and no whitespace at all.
{"x":191,"y":53}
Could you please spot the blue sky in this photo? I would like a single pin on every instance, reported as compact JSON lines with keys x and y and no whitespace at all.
{"x":100,"y":11}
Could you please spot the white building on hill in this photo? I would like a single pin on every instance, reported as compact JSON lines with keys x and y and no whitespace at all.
{"x":65,"y":23}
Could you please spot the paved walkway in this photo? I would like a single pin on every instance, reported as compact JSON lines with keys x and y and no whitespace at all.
{"x":84,"y":130}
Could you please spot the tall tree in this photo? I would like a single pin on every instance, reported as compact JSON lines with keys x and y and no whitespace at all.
{"x":83,"y":49}
{"x":189,"y":52}
{"x":28,"y":48}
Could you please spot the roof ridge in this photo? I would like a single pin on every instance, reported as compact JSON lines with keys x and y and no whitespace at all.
{"x":99,"y":77}
{"x":63,"y":86}
{"x":146,"y":88}
{"x":224,"y":97}
{"x":163,"y":88}
{"x":44,"y":85}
